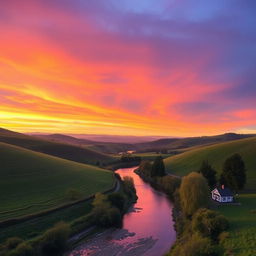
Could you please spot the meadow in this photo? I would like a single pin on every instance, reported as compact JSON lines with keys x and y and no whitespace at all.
{"x":32,"y":182}
{"x":241,"y":240}
{"x":191,"y":160}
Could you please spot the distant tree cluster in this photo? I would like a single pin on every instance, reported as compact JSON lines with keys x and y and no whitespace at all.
{"x":155,"y":169}
{"x":130,"y":158}
{"x":233,"y":173}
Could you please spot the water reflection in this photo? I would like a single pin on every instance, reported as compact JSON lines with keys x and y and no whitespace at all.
{"x":147,"y":228}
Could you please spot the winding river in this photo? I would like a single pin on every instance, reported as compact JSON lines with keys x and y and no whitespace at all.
{"x":147,"y":227}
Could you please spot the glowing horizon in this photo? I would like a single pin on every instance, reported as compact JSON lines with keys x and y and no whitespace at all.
{"x":168,"y":68}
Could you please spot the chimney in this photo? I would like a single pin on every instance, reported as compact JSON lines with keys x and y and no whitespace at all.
{"x":222,"y":186}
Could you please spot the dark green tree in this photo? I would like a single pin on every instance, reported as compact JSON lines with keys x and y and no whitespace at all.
{"x":234,"y":173}
{"x":145,"y":168}
{"x":158,"y":168}
{"x":209,"y":173}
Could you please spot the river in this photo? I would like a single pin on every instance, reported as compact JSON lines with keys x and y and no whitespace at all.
{"x":147,"y":227}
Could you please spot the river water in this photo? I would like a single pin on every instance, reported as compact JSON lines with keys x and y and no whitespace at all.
{"x":147,"y":228}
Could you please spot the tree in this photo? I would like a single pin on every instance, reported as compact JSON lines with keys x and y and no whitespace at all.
{"x":194,"y":193}
{"x":209,"y":173}
{"x":234,"y":173}
{"x":158,"y":168}
{"x":195,"y":245}
{"x":145,"y":168}
{"x":209,"y":223}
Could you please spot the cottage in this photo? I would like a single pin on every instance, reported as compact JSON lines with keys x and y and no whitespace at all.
{"x":222,"y":195}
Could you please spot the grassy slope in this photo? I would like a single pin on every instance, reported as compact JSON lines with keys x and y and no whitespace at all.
{"x":216,"y":154}
{"x":31,"y":181}
{"x":66,"y":151}
{"x":242,"y":239}
{"x":183,"y":143}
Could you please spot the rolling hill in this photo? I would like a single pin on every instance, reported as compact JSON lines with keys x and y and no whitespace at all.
{"x":216,"y":154}
{"x":102,"y":147}
{"x":62,"y":150}
{"x":31,"y":182}
{"x":183,"y":143}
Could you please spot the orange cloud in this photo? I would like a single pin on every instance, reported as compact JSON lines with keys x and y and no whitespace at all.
{"x":66,"y":73}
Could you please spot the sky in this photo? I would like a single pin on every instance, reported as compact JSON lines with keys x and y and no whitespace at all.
{"x":148,"y":67}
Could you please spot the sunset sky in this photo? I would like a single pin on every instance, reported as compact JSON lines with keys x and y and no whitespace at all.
{"x":137,"y":67}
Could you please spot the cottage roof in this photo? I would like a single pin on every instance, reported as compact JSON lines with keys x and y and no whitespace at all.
{"x":225,"y":192}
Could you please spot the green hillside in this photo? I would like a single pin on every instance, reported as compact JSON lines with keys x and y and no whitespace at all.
{"x":63,"y":150}
{"x":31,"y":182}
{"x":242,"y":233}
{"x":184,"y":143}
{"x":216,"y":154}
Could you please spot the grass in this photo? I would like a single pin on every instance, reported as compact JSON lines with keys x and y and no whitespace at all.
{"x":36,"y":226}
{"x":62,"y":150}
{"x":31,"y":182}
{"x":191,"y":160}
{"x":242,"y":238}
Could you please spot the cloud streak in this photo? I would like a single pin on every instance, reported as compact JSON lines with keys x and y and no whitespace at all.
{"x":158,"y":67}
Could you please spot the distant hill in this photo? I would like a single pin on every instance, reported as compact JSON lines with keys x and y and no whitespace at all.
{"x":216,"y":154}
{"x":66,"y":139}
{"x":31,"y":182}
{"x":59,"y":149}
{"x":182,"y":143}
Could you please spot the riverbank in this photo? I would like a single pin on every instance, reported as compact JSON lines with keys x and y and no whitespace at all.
{"x":144,"y":226}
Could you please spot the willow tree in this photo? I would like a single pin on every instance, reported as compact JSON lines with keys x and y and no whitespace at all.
{"x":194,"y":193}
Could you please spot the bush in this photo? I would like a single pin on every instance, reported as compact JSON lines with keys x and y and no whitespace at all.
{"x":196,"y":246}
{"x":12,"y":242}
{"x":103,"y":213}
{"x":209,"y":223}
{"x":223,"y":236}
{"x":54,"y":240}
{"x":73,"y":194}
{"x":114,"y":217}
{"x":169,"y":184}
{"x":23,"y":249}
{"x":129,"y":187}
{"x":117,"y":200}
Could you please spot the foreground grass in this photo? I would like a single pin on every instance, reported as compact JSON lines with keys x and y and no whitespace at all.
{"x":191,"y":160}
{"x":242,"y":236}
{"x":36,"y":226}
{"x":31,"y":182}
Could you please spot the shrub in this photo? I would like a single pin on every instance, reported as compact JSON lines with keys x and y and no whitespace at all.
{"x":196,"y":246}
{"x":54,"y":240}
{"x":114,"y":217}
{"x":73,"y":194}
{"x":13,"y":242}
{"x":209,"y":223}
{"x":117,"y":200}
{"x":129,"y":187}
{"x":103,"y":213}
{"x":169,"y":184}
{"x":23,"y":249}
{"x":223,"y":236}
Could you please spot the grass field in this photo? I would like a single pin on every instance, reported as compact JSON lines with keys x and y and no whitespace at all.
{"x":191,"y":160}
{"x":242,"y":238}
{"x":63,"y":150}
{"x":31,"y":182}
